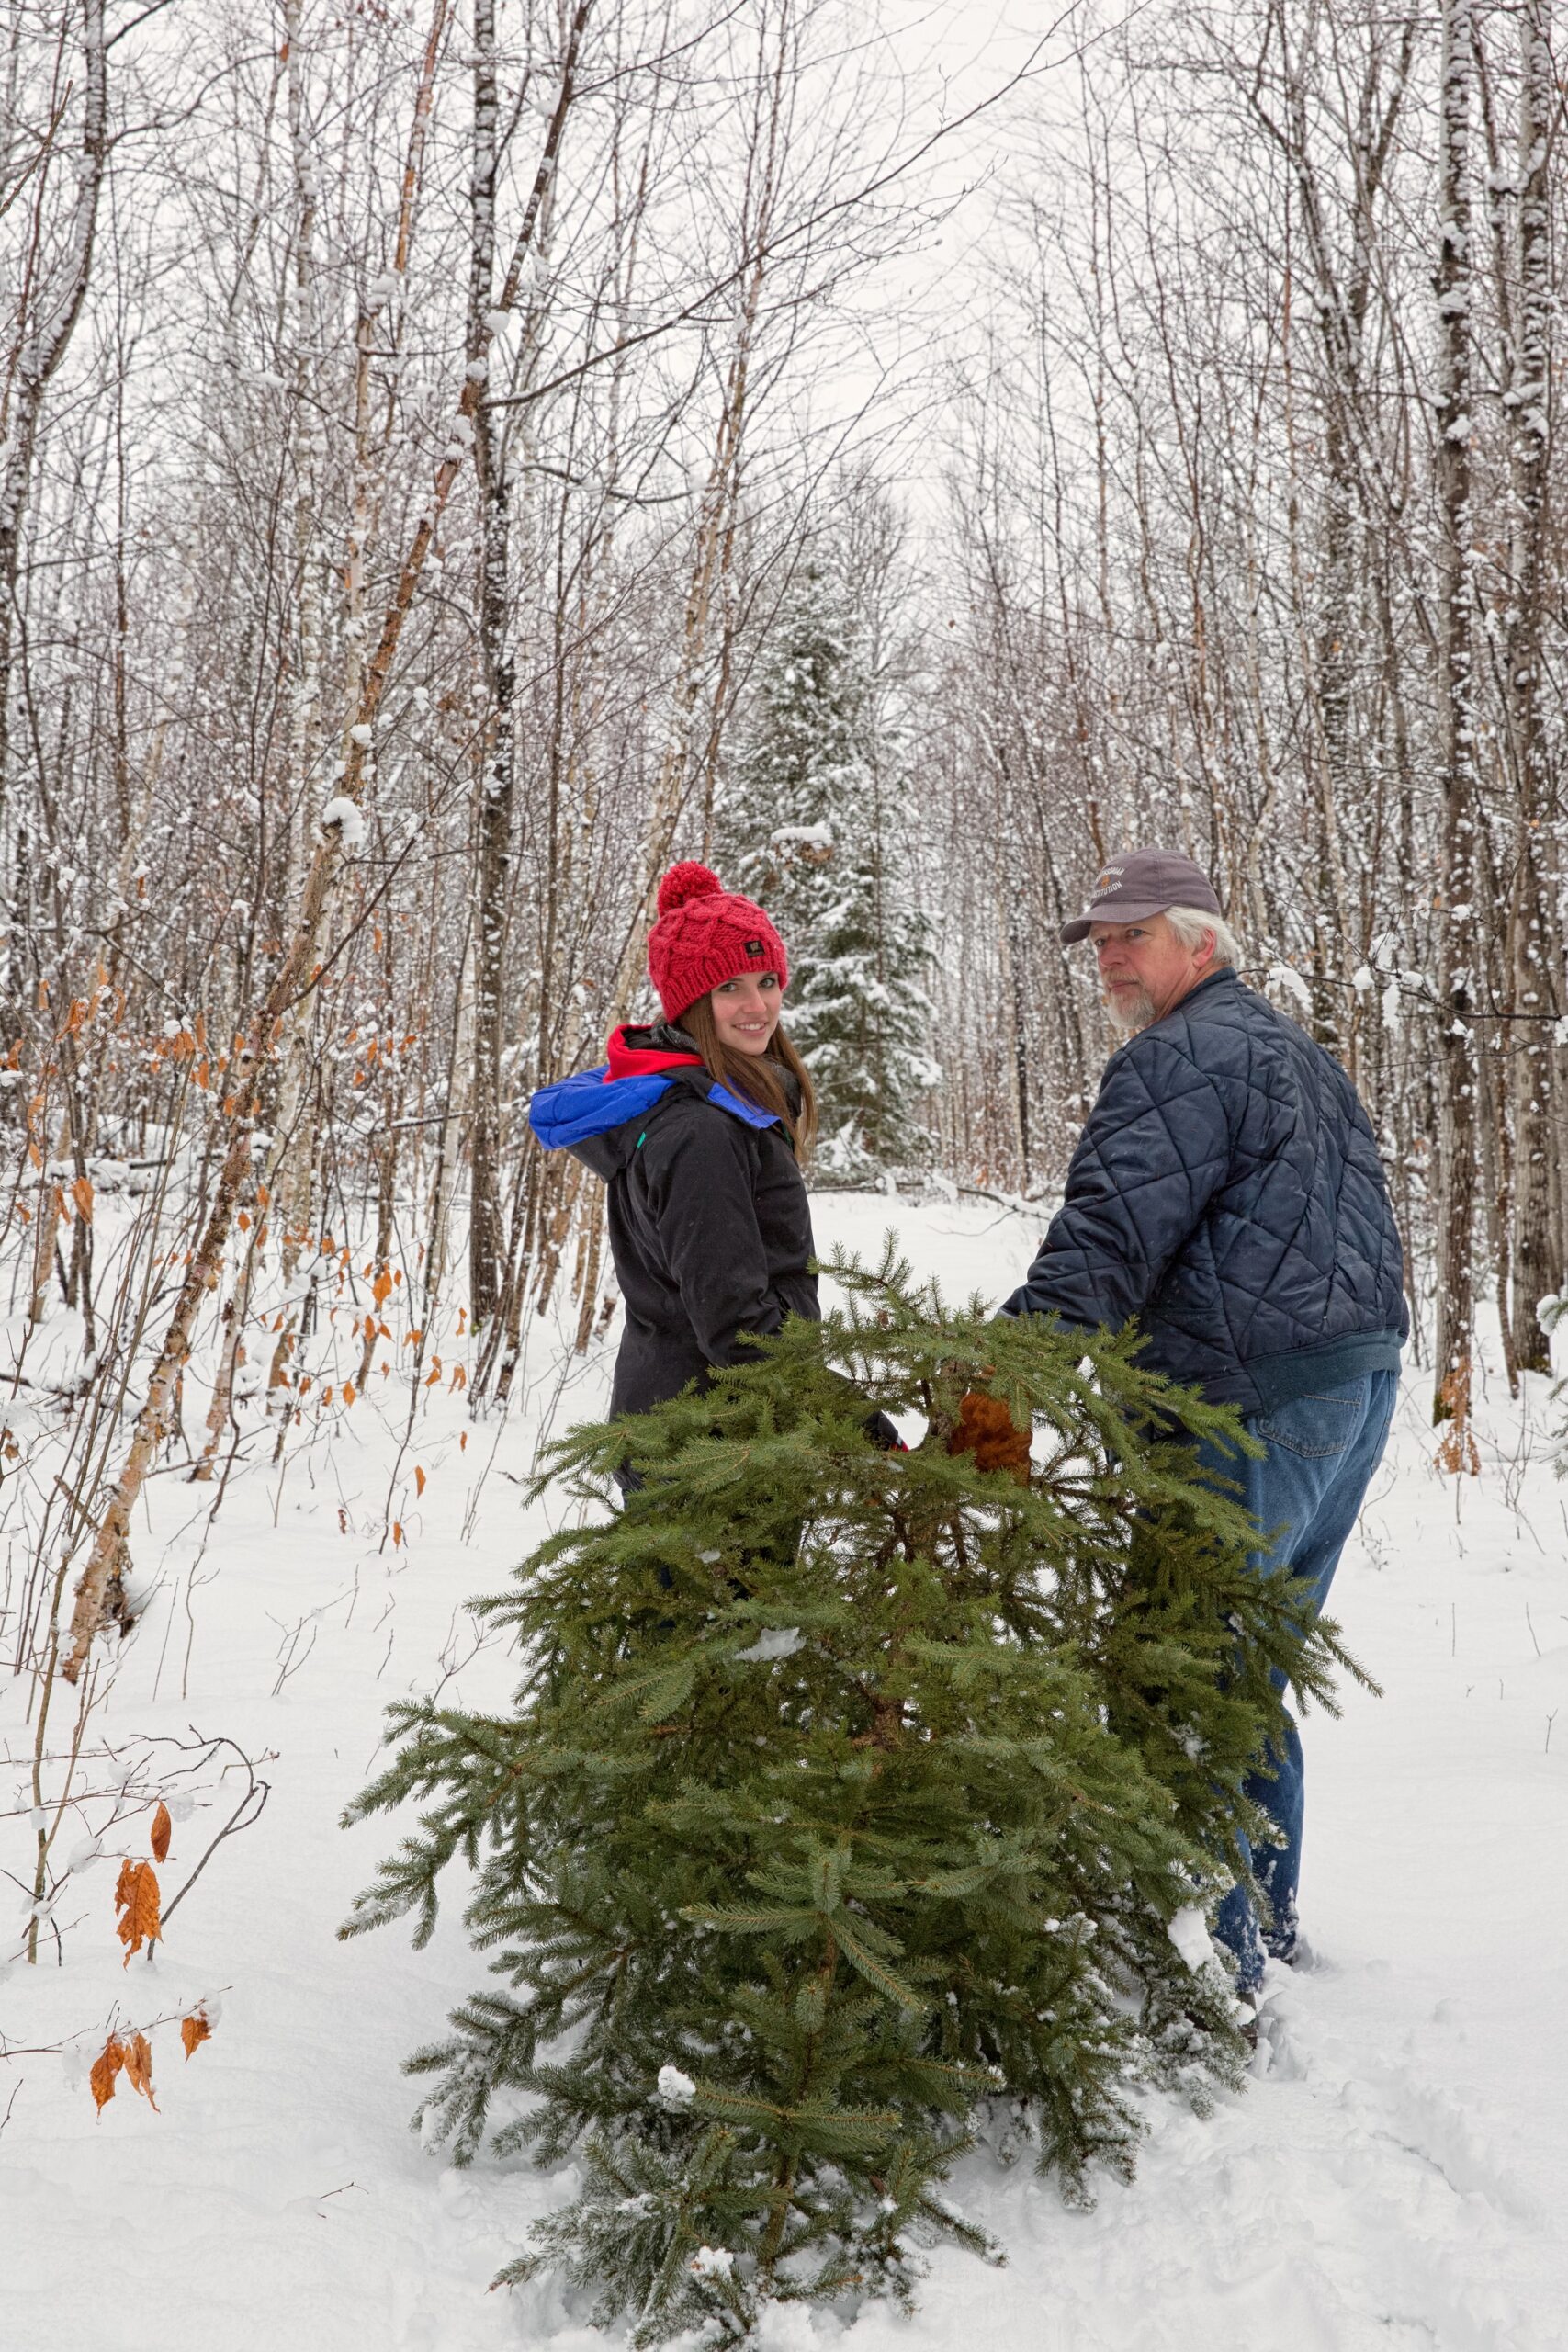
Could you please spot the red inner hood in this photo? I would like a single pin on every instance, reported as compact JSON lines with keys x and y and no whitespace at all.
{"x":641,"y":1061}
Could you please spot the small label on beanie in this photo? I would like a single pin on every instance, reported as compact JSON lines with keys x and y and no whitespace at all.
{"x":755,"y":947}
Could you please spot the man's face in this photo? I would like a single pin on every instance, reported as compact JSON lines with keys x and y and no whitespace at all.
{"x":1144,"y":969}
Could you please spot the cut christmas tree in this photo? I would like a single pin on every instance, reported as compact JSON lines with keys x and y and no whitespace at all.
{"x":854,"y":1803}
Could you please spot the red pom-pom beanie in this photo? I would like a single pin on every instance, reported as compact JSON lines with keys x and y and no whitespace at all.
{"x":705,"y":935}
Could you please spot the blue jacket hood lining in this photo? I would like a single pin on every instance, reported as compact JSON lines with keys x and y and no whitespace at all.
{"x":589,"y":1104}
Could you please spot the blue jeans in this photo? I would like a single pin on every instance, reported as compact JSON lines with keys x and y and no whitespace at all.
{"x":1323,"y":1450}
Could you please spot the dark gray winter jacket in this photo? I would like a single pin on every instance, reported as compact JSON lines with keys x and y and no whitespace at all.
{"x":710,"y":1226}
{"x":1226,"y":1193}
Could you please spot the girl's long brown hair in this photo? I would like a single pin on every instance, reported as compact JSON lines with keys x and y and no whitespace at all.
{"x":757,"y":1076}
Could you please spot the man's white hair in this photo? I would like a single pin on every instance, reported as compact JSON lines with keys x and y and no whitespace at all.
{"x":1189,"y":924}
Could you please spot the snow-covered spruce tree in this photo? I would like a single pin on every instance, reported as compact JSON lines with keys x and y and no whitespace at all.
{"x":851,"y":1801}
{"x":814,"y":824}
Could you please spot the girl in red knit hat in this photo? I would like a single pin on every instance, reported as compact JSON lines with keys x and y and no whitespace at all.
{"x":699,"y":1124}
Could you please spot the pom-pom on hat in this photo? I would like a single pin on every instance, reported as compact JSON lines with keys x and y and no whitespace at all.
{"x":705,"y":935}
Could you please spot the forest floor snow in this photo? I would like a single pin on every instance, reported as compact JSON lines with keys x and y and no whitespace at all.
{"x":1394,"y":2173}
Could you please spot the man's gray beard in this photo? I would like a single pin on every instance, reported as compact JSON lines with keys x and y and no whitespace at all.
{"x":1128,"y":1014}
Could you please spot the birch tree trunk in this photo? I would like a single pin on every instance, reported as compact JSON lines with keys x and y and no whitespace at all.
{"x":45,"y":338}
{"x":1459,"y":956}
{"x":1536,"y":936}
{"x":494,"y":820}
{"x":292,"y":1157}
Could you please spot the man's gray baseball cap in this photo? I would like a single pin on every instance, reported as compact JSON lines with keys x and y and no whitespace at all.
{"x":1144,"y":882}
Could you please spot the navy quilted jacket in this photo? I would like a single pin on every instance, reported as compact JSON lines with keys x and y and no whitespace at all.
{"x":1227,"y":1194}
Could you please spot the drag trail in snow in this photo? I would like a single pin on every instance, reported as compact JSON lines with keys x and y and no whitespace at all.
{"x":1395,"y":2175}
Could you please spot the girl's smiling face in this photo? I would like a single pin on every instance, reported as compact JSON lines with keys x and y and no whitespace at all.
{"x":746,"y":1012}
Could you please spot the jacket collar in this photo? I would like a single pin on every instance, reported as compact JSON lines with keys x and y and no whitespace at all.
{"x":1227,"y":977}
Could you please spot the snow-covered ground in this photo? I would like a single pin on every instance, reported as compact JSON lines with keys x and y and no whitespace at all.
{"x":1395,"y":2175}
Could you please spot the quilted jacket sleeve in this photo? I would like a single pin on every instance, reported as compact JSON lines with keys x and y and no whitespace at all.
{"x":1156,"y":1147}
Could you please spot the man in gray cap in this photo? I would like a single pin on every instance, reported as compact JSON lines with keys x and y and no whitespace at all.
{"x":1226,"y":1195}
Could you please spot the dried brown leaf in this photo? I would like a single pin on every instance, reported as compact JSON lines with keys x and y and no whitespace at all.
{"x":195,"y":2029}
{"x":136,"y":1900}
{"x":105,"y":2066}
{"x":163,"y":1830}
{"x":138,"y":2064}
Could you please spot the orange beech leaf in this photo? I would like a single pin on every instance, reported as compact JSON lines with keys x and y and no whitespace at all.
{"x":383,"y":1285}
{"x":462,"y":1441}
{"x":138,"y":2064}
{"x":459,"y":1375}
{"x":243,"y":1221}
{"x":82,"y":1194}
{"x":163,"y":1830}
{"x":136,"y":1898}
{"x":327,"y":1394}
{"x":349,"y":1391}
{"x":263,"y":1196}
{"x":105,"y":2066}
{"x":370,"y":1327}
{"x":193,"y":2031}
{"x":396,"y":1533}
{"x":418,"y":1480}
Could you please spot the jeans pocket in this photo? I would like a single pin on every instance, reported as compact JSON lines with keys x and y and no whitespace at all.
{"x":1315,"y":1426}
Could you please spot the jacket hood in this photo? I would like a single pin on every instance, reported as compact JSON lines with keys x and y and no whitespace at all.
{"x":644,"y":1053}
{"x":642,"y":1065}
